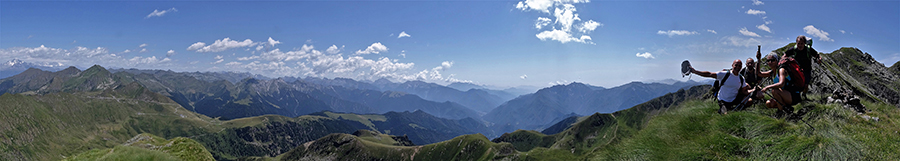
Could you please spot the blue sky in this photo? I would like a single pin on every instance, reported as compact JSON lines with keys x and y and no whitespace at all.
{"x":502,"y":43}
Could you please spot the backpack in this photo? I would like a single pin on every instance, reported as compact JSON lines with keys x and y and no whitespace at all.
{"x":718,"y":84}
{"x":798,"y":80}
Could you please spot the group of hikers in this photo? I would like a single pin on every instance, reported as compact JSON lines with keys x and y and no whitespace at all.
{"x":790,"y":76}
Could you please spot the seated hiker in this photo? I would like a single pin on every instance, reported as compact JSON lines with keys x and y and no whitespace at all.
{"x":731,"y":91}
{"x":784,"y":92}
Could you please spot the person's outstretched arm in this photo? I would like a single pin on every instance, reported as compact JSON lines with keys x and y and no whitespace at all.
{"x":703,"y":73}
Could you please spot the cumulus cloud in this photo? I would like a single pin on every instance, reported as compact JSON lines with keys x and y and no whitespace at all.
{"x":334,"y":49}
{"x":219,"y":59}
{"x":757,"y":3}
{"x":746,"y":32}
{"x":740,"y":41}
{"x":764,"y":28}
{"x":712,"y":31}
{"x":565,"y":20}
{"x":375,"y":48}
{"x":147,"y":60}
{"x":126,"y":51}
{"x":842,"y":31}
{"x":645,"y":55}
{"x":222,"y":45}
{"x":561,"y":36}
{"x":523,"y":77}
{"x":403,"y":34}
{"x":170,"y":53}
{"x":144,"y":50}
{"x":272,"y":42}
{"x":307,"y":61}
{"x":80,"y":56}
{"x":233,"y":63}
{"x":157,"y":13}
{"x":756,"y":12}
{"x":589,"y":26}
{"x":813,"y":31}
{"x":541,"y":22}
{"x":142,"y":45}
{"x":676,"y":32}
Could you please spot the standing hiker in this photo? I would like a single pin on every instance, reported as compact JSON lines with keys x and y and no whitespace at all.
{"x":804,"y":53}
{"x":731,"y":91}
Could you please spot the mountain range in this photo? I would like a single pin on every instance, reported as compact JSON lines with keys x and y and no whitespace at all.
{"x":16,"y":66}
{"x":550,"y":105}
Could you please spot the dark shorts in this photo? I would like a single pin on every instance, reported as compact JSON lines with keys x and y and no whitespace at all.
{"x":795,"y":97}
{"x":737,"y":100}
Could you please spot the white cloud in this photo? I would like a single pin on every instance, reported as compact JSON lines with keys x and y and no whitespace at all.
{"x":142,"y":45}
{"x":740,"y":41}
{"x":170,"y":53}
{"x":712,"y":31}
{"x":375,"y":48}
{"x":221,"y":45}
{"x":144,"y":50}
{"x":260,"y":47}
{"x":646,"y":55}
{"x":403,"y":34}
{"x":147,"y":60}
{"x":157,"y":13}
{"x":764,"y":28}
{"x":746,"y":32}
{"x":756,"y":12}
{"x":218,"y":61}
{"x":196,"y":46}
{"x":523,"y":77}
{"x":233,"y":63}
{"x":272,"y":42}
{"x":247,"y":58}
{"x":813,"y":31}
{"x":842,"y":31}
{"x":219,"y":57}
{"x":541,"y":22}
{"x":126,"y":51}
{"x":565,"y":19}
{"x":676,"y":32}
{"x":561,"y":36}
{"x":589,"y":26}
{"x":80,"y":56}
{"x":334,"y":49}
{"x":757,"y":3}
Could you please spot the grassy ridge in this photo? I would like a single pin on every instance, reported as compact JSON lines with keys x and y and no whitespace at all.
{"x":47,"y":127}
{"x":696,"y":132}
{"x":349,"y":147}
{"x":149,"y":147}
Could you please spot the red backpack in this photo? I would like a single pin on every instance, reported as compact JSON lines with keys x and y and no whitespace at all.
{"x":797,"y":81}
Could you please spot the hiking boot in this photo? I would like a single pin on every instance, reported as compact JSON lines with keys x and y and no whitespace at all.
{"x":723,"y":110}
{"x":788,"y":109}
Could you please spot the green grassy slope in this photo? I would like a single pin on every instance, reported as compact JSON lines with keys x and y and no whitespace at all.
{"x":149,"y":147}
{"x":349,"y":147}
{"x":46,"y":127}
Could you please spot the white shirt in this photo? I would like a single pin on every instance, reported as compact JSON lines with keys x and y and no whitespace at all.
{"x":729,"y":90}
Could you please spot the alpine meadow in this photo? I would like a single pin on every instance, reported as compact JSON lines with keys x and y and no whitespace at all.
{"x":449,"y":80}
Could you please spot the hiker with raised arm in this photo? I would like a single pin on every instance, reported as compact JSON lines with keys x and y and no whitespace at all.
{"x":786,"y":88}
{"x":731,"y":91}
